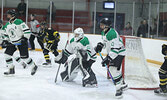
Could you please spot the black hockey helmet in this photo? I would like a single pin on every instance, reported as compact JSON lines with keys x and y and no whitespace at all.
{"x":106,"y":21}
{"x":43,"y":23}
{"x":33,"y":15}
{"x":12,"y":12}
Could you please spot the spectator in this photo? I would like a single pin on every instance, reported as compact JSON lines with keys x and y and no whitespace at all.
{"x":128,"y":29}
{"x":21,"y":8}
{"x":143,"y":29}
{"x":53,"y":12}
{"x":163,"y":30}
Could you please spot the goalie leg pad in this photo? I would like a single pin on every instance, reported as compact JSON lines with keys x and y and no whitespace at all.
{"x":91,"y":80}
{"x":71,"y":70}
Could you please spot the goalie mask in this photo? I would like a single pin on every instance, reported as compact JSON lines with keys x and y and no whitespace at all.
{"x":78,"y":34}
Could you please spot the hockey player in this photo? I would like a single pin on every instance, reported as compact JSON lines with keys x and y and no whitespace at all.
{"x":163,"y":73}
{"x":18,"y":34}
{"x":35,"y":28}
{"x":85,"y":57}
{"x":115,"y":52}
{"x":51,"y":38}
{"x":2,"y":42}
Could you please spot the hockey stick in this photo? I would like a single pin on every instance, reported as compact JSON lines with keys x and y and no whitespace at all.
{"x":107,"y":69}
{"x":60,"y":64}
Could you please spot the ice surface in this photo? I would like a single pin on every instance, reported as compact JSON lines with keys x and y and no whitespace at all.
{"x":41,"y":86}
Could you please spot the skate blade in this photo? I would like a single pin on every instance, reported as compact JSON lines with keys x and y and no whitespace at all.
{"x":45,"y":66}
{"x":91,"y":86}
{"x":119,"y":97}
{"x":9,"y":75}
{"x":161,"y":94}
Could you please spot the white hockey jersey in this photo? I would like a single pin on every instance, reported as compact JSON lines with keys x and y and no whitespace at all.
{"x":16,"y":31}
{"x":113,"y":43}
{"x":84,"y":44}
{"x":1,"y":35}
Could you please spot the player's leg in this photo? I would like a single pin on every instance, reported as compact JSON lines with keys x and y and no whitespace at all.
{"x":23,"y":49}
{"x":118,"y":62}
{"x":47,"y":57}
{"x":117,"y":74}
{"x":54,"y":49}
{"x":9,"y":61}
{"x":71,"y":70}
{"x":91,"y":80}
{"x":40,"y":43}
{"x":20,"y":61}
{"x":32,"y":37}
{"x":163,"y":78}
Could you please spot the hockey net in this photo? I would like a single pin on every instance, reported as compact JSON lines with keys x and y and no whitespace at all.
{"x":134,"y":67}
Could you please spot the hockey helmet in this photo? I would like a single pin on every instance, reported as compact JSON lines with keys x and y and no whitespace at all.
{"x":43,"y":25}
{"x":106,"y":22}
{"x":78,"y":33}
{"x":12,"y":12}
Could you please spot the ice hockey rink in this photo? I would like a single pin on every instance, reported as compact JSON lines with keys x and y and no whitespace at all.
{"x":41,"y":86}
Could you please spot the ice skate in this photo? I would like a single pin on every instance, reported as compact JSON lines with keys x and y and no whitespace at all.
{"x":11,"y":71}
{"x":89,"y":82}
{"x":47,"y":64}
{"x":124,"y":86}
{"x":161,"y":91}
{"x":118,"y":94}
{"x":33,"y":71}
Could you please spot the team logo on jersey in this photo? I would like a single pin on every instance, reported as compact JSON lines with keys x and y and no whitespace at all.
{"x":12,"y":33}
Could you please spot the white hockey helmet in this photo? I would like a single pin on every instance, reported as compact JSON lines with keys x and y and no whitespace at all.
{"x":78,"y":33}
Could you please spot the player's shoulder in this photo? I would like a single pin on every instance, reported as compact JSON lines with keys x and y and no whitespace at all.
{"x":84,"y":41}
{"x":72,"y":40}
{"x":111,"y":34}
{"x":18,"y":21}
{"x":3,"y":28}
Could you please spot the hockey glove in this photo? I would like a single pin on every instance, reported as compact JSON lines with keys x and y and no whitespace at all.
{"x":24,"y":40}
{"x":5,"y":43}
{"x":106,"y":60}
{"x":164,"y":49}
{"x":83,"y":54}
{"x":61,"y":58}
{"x":99,"y":47}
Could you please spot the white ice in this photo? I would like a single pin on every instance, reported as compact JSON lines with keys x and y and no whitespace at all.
{"x":41,"y":86}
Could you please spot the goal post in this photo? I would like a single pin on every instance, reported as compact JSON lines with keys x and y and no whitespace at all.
{"x":135,"y":70}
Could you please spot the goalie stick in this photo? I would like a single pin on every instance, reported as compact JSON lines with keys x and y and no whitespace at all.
{"x":60,"y":64}
{"x":107,"y":69}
